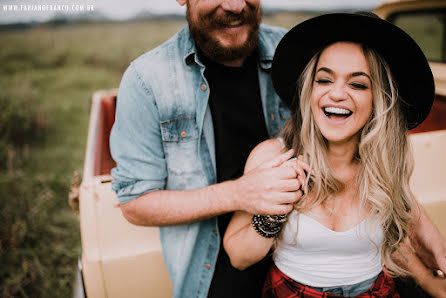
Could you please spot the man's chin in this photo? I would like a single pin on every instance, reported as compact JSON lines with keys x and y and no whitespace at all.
{"x":229,"y":54}
{"x":232,"y":44}
{"x":222,"y":45}
{"x":233,"y":49}
{"x":230,"y":49}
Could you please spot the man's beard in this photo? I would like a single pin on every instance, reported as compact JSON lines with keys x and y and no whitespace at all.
{"x":211,"y":48}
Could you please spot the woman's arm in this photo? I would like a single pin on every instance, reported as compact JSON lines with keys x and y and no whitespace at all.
{"x":243,"y":244}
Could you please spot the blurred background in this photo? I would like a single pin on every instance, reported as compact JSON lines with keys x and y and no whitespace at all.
{"x":51,"y":62}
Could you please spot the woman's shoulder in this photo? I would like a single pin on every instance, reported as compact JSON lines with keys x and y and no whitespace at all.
{"x":263,"y":152}
{"x":272,"y":146}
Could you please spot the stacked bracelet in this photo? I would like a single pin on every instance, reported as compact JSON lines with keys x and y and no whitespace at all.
{"x":268,"y":226}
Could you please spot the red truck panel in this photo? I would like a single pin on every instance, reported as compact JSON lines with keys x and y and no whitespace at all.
{"x":103,"y":162}
{"x":436,"y":119}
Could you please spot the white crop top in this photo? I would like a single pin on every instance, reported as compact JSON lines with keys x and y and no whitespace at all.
{"x":321,"y":257}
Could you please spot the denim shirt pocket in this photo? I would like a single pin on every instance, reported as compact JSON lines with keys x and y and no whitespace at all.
{"x":180,"y":129}
{"x":180,"y":140}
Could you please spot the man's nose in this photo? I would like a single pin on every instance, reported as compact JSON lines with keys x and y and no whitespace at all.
{"x":234,"y":6}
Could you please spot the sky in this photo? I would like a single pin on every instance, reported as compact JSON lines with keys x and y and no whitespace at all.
{"x":29,"y":10}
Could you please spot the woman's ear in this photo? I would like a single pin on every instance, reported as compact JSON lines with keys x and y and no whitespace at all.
{"x":181,"y":2}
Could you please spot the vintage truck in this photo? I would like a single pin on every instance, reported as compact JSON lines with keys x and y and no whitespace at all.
{"x":122,"y":260}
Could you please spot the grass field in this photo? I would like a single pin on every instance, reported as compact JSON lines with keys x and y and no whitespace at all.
{"x":47,"y":77}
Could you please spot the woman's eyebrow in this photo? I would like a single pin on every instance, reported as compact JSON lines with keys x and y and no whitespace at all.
{"x":353,"y":74}
{"x":326,"y":69}
{"x":360,"y":73}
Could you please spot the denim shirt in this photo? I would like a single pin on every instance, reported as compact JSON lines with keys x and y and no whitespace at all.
{"x":163,"y":138}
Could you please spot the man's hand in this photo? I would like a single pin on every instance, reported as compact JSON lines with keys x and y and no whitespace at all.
{"x":266,"y":188}
{"x":426,"y":239}
{"x":441,"y":260}
{"x":432,"y":260}
{"x":272,"y":187}
{"x":440,"y":257}
{"x":423,"y":275}
{"x":435,"y":286}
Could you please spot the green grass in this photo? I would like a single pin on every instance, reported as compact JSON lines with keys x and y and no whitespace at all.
{"x":47,"y":77}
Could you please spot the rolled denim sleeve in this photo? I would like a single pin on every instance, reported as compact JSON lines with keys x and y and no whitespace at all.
{"x":135,"y":140}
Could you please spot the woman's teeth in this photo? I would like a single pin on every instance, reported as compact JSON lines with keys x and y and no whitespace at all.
{"x":333,"y":111}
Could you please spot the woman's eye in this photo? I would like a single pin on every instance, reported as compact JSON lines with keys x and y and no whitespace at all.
{"x":323,"y":81}
{"x":359,"y":86}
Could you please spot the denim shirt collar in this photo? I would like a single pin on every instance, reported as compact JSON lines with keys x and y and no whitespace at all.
{"x":265,"y":50}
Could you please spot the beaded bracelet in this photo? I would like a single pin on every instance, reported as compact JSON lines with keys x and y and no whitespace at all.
{"x":268,"y":226}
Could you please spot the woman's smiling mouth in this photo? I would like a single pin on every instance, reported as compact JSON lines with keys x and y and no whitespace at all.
{"x":336,"y":113}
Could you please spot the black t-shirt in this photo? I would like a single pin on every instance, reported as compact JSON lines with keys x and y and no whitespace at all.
{"x":239,"y":125}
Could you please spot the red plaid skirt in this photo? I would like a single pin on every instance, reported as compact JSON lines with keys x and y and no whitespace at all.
{"x":278,"y":284}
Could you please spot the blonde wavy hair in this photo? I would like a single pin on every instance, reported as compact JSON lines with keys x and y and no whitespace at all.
{"x":383,"y":153}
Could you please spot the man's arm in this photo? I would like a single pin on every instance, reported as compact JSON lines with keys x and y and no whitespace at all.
{"x":427,"y":240}
{"x":423,"y":276}
{"x":270,"y":189}
{"x":424,"y":254}
{"x":141,"y":172}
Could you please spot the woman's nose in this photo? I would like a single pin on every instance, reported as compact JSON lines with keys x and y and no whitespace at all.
{"x":338,"y":93}
{"x":234,"y":6}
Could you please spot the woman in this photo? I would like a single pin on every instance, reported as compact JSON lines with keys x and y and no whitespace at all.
{"x":355,"y":84}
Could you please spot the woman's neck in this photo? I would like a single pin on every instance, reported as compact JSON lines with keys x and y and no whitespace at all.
{"x":342,"y":156}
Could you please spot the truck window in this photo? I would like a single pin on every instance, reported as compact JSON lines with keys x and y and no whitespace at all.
{"x":428,"y":30}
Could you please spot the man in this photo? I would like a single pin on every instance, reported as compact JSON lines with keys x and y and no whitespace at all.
{"x":188,"y":114}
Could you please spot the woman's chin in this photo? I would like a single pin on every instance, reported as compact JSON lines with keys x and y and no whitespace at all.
{"x":338,"y":138}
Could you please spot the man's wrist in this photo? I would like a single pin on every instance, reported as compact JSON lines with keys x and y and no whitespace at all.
{"x":227,"y":194}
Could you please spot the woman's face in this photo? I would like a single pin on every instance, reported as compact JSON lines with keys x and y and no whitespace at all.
{"x":341,"y":99}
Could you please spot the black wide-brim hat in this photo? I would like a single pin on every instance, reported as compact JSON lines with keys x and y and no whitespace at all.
{"x":406,"y":60}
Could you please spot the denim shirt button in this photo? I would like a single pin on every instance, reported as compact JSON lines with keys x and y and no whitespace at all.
{"x":203,"y":87}
{"x":215,"y":232}
{"x":183,"y":133}
{"x":272,"y":116}
{"x":208,"y":266}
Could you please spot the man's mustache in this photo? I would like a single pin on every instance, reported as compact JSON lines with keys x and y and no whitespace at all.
{"x":247,"y":16}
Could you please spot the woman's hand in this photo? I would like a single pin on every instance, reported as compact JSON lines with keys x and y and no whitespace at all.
{"x":302,"y":168}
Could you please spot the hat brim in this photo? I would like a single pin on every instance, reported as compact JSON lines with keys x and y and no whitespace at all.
{"x":406,"y":60}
